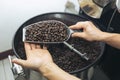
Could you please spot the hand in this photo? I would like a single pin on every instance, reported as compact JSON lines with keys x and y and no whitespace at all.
{"x":90,"y":32}
{"x":40,"y":59}
{"x":36,"y":57}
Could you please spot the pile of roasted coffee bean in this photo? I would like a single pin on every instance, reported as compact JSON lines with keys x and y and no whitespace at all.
{"x":67,"y":59}
{"x":46,"y":31}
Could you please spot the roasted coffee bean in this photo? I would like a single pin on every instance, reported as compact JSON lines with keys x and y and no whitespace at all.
{"x":50,"y":31}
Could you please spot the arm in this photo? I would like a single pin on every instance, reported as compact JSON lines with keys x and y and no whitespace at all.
{"x":40,"y":59}
{"x":112,"y":39}
{"x":91,"y":33}
{"x":53,"y":72}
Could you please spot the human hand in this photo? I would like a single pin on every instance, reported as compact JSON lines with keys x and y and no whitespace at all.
{"x":40,"y":59}
{"x":36,"y":57}
{"x":90,"y":31}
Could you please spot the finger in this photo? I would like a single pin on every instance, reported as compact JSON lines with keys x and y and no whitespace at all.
{"x":33,"y":46}
{"x":44,"y":47}
{"x":79,"y":25}
{"x":78,"y":34}
{"x":20,"y":62}
{"x":37,"y":46}
{"x":27,"y":48}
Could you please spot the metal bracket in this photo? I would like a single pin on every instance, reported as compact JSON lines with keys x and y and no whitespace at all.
{"x":16,"y":69}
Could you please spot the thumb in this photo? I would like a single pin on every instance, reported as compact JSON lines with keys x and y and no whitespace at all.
{"x":19,"y":62}
{"x":78,"y":34}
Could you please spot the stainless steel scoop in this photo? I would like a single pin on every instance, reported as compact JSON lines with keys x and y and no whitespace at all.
{"x":68,"y":30}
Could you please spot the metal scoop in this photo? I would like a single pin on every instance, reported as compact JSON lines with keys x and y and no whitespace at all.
{"x":26,"y":32}
{"x":35,"y":34}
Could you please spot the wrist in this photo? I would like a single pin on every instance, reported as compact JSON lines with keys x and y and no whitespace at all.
{"x":47,"y":68}
{"x":105,"y":37}
{"x":53,"y":72}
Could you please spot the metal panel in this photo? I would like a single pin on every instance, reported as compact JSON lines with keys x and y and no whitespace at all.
{"x":7,"y":71}
{"x":2,"y":72}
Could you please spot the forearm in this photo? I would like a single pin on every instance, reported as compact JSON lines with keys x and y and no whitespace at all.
{"x":53,"y":72}
{"x":112,"y":39}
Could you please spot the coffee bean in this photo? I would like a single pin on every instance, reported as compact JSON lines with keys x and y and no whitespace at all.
{"x":51,"y":30}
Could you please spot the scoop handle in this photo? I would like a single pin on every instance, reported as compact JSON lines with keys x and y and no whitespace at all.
{"x":83,"y":55}
{"x":72,"y":31}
